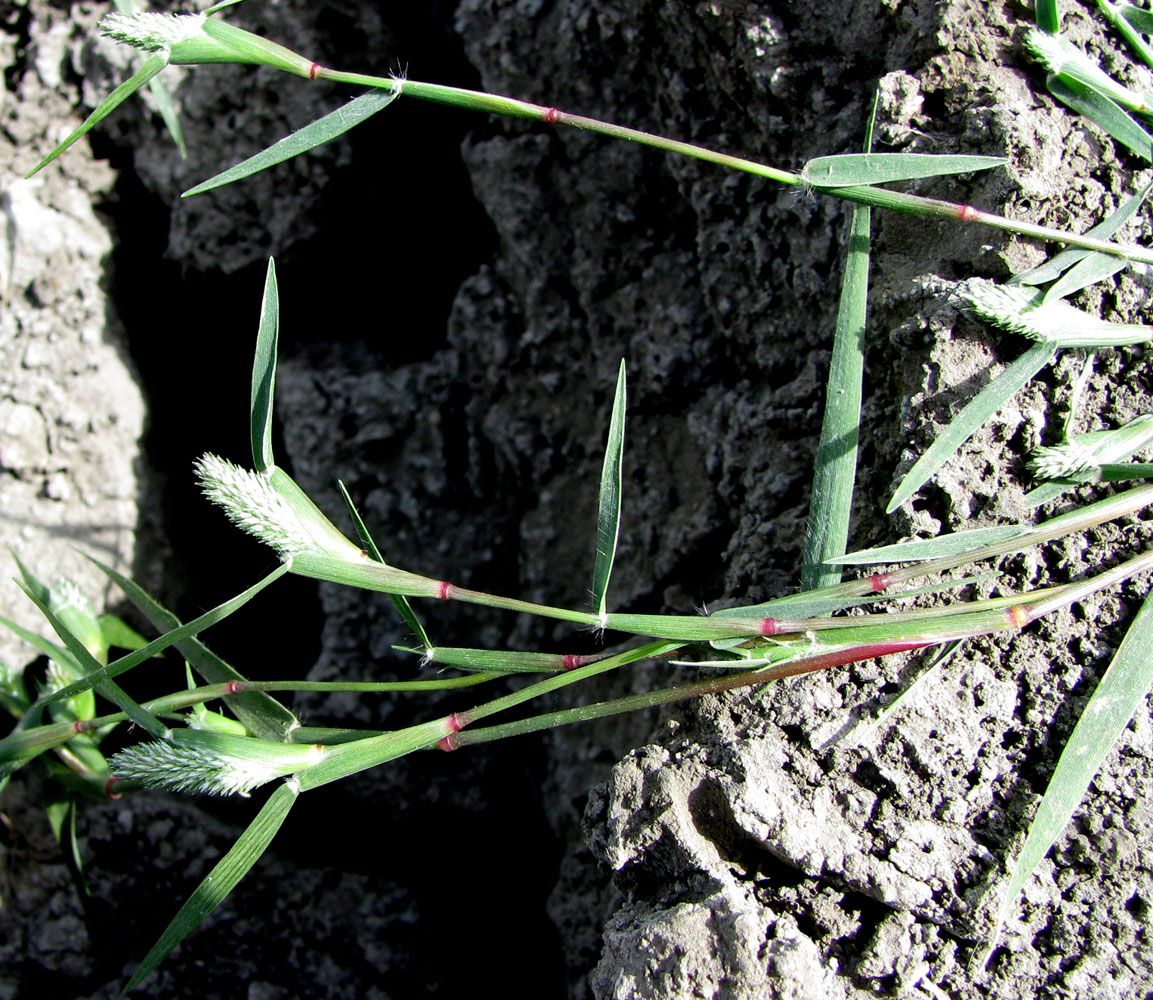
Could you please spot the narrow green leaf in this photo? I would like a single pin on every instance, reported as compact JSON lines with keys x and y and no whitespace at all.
{"x":332,"y":125}
{"x":866,"y":729}
{"x":264,"y":373}
{"x":966,"y":423}
{"x":1097,"y":266}
{"x":1119,"y":693}
{"x":221,"y":880}
{"x":818,"y":603}
{"x":836,"y":468}
{"x":492,"y":660}
{"x":169,"y":113}
{"x":119,"y":634}
{"x":220,"y":6}
{"x":194,"y":627}
{"x":1048,"y":19}
{"x":95,"y":675}
{"x":1142,"y":20}
{"x":148,"y":69}
{"x":851,"y":169}
{"x":401,"y":603}
{"x":1127,"y":29}
{"x":1104,"y":112}
{"x":261,"y":714}
{"x":1056,"y":265}
{"x":609,"y":505}
{"x":919,"y":549}
{"x":52,"y":650}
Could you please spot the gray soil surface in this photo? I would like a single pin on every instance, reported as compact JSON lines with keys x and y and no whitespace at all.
{"x":456,"y":295}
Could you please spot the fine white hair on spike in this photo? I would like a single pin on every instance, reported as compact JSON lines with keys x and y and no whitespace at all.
{"x":1062,"y":461}
{"x":1010,"y":307}
{"x":179,"y":767}
{"x":151,"y":31}
{"x":252,"y":504}
{"x":1045,"y":49}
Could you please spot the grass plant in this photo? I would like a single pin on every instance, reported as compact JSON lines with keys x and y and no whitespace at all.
{"x":249,"y":739}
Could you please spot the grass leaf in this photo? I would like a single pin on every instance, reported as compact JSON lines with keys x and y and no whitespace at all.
{"x":1104,"y":112}
{"x":1119,"y":18}
{"x":850,"y":169}
{"x":918,"y":549}
{"x":966,"y":423}
{"x":323,"y":130}
{"x":609,"y":504}
{"x":169,"y":113}
{"x":399,"y":601}
{"x":1141,"y":19}
{"x":1048,"y":18}
{"x":836,"y":468}
{"x":1098,"y":266}
{"x":220,"y":6}
{"x":1120,"y":692}
{"x":171,"y":638}
{"x":148,"y":69}
{"x":261,"y":714}
{"x":264,"y":373}
{"x":96,"y":675}
{"x":221,"y":880}
{"x":1056,"y":265}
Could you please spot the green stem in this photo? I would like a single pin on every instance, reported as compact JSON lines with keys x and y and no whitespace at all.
{"x":894,"y":200}
{"x":645,"y":652}
{"x":684,"y":692}
{"x":370,"y":687}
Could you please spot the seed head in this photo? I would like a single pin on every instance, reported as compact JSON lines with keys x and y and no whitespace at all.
{"x":151,"y":31}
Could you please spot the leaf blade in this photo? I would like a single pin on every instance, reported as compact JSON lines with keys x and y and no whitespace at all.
{"x":148,"y":69}
{"x":609,"y":500}
{"x":974,"y":415}
{"x":261,"y":714}
{"x":223,"y":878}
{"x":324,"y":129}
{"x":264,"y":373}
{"x":852,"y":169}
{"x":831,"y":506}
{"x":1116,"y":698}
{"x":1104,"y":112}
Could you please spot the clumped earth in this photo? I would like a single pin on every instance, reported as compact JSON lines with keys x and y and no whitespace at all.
{"x":456,"y":295}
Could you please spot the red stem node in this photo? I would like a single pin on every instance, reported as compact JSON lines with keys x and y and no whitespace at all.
{"x":455,"y":722}
{"x":110,"y":788}
{"x":1020,"y":615}
{"x":551,"y":115}
{"x":445,"y":591}
{"x":967,"y":213}
{"x":232,"y":687}
{"x":572,"y":661}
{"x":770,"y":626}
{"x":313,"y":70}
{"x":78,"y":726}
{"x":879,"y":582}
{"x":447,"y":743}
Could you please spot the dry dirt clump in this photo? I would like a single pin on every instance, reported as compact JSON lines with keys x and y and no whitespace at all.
{"x":450,"y":340}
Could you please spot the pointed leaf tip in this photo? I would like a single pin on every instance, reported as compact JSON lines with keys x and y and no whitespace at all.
{"x":609,"y":504}
{"x":264,"y":372}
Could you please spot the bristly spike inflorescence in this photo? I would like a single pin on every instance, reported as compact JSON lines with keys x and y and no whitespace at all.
{"x":252,"y":504}
{"x":151,"y":31}
{"x":236,"y":769}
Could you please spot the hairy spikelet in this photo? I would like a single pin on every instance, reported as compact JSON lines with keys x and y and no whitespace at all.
{"x":151,"y":31}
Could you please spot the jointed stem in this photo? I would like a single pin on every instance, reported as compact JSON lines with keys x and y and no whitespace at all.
{"x":880,"y":197}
